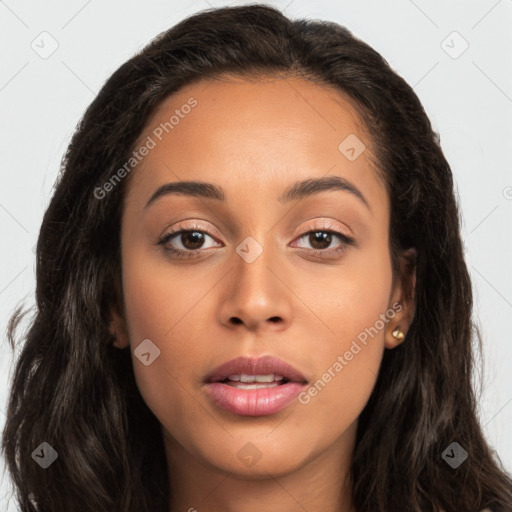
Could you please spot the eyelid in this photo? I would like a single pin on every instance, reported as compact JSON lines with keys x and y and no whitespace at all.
{"x":196,"y":226}
{"x":193,"y":226}
{"x":326,"y":225}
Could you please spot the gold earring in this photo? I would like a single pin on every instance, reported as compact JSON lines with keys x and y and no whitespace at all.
{"x":398,"y":334}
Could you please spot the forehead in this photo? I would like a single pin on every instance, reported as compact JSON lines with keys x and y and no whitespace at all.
{"x":254,"y":132}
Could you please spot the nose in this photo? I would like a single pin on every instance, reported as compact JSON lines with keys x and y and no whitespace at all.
{"x":256,"y":294}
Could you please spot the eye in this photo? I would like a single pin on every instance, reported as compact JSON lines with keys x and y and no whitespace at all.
{"x":320,"y":240}
{"x":184,"y":242}
{"x":190,"y":241}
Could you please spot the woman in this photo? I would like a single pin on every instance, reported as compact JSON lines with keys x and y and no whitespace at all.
{"x":251,"y":290}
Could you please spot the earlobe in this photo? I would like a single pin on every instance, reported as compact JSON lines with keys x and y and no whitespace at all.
{"x":394,"y":338}
{"x":117,"y":328}
{"x":120,"y":343}
{"x":403,"y":294}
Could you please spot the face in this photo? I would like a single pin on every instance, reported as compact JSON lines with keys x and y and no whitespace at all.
{"x":266,"y":267}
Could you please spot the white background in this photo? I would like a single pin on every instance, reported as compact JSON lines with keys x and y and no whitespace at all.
{"x":468,"y":99}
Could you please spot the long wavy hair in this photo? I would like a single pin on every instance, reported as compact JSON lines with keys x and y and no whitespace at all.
{"x":72,"y":389}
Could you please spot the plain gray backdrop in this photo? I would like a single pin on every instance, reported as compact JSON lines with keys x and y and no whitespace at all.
{"x":56,"y":55}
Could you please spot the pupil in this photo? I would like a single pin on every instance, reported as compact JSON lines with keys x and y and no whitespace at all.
{"x":321,"y":237}
{"x":190,"y":235}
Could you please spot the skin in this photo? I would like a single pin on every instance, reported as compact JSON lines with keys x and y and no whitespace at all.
{"x":254,"y":139}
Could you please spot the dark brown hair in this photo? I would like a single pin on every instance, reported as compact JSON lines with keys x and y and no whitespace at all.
{"x":74,"y":390}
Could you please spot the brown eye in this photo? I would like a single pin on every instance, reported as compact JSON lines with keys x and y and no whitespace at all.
{"x":185,"y":242}
{"x":321,"y":240}
{"x":191,"y":240}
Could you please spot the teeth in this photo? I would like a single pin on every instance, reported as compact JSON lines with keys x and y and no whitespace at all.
{"x":255,"y":385}
{"x":243,"y":377}
{"x":264,"y":378}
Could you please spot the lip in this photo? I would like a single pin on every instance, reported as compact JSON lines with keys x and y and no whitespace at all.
{"x":262,"y":365}
{"x":254,"y":402}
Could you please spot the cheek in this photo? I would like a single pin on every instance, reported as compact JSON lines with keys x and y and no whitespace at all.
{"x":355,"y":312}
{"x":159,"y":299}
{"x":157,"y":309}
{"x":350,"y":298}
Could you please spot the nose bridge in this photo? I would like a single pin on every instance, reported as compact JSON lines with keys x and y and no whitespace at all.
{"x":252,"y":272}
{"x":256,"y":295}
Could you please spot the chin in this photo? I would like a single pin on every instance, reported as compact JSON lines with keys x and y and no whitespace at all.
{"x":254,"y":457}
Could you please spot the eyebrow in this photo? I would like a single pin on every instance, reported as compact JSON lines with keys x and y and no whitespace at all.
{"x":298,"y":190}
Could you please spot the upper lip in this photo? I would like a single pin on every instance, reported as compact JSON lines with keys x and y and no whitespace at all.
{"x":263,"y":365}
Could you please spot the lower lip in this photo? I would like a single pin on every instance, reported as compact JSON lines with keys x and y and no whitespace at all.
{"x":254,"y":402}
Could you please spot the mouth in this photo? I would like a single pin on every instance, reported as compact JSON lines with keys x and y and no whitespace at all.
{"x":250,"y":386}
{"x":246,"y":370}
{"x":245,"y":381}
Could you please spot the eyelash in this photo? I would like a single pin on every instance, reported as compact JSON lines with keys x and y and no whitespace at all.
{"x":180,"y":253}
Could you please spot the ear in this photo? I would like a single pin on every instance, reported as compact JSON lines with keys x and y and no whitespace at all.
{"x":402,"y":300}
{"x":117,"y":328}
{"x":117,"y":323}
